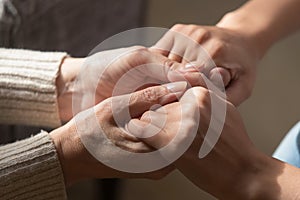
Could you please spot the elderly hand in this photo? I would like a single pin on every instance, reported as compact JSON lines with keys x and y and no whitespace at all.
{"x":86,"y":82}
{"x":95,"y":138}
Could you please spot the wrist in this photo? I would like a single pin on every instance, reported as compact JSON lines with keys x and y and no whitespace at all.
{"x":64,"y":140}
{"x":68,"y":72}
{"x":76,"y":162}
{"x":251,"y":27}
{"x":259,"y":180}
{"x":74,"y":158}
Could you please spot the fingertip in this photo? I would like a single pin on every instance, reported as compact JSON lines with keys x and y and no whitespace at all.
{"x":147,"y":132}
{"x":135,"y":127}
{"x":193,"y":67}
{"x":220,"y":76}
{"x":176,"y":86}
{"x":195,"y":79}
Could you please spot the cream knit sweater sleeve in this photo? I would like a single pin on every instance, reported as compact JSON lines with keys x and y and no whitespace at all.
{"x":27,"y":87}
{"x":30,"y":169}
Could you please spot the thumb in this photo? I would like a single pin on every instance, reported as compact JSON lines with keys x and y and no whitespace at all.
{"x":161,"y":68}
{"x":220,"y":77}
{"x":143,"y":100}
{"x":133,"y":105}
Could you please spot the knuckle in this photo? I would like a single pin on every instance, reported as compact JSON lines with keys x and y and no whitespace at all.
{"x":139,"y":48}
{"x":193,"y":27}
{"x":151,"y":94}
{"x":201,"y":34}
{"x":143,"y":49}
{"x":190,"y":29}
{"x":106,"y":107}
{"x":178,"y":27}
{"x":218,"y":49}
{"x":201,"y":92}
{"x":139,"y":52}
{"x":203,"y":96}
{"x":169,"y":63}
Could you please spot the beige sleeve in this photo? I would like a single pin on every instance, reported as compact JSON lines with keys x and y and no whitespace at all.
{"x":27,"y":87}
{"x":30,"y":169}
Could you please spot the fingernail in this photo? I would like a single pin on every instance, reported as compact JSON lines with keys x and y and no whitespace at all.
{"x":176,"y":86}
{"x":186,"y":69}
{"x":189,"y":65}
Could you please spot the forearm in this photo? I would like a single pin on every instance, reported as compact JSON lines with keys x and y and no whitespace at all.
{"x":236,"y":176}
{"x":288,"y":181}
{"x":274,"y":180}
{"x":267,"y":21}
{"x":256,"y":176}
{"x":67,"y":142}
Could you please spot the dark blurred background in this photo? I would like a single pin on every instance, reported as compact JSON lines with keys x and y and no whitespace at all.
{"x":76,"y":26}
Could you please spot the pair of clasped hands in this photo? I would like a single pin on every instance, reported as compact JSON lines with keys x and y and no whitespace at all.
{"x":181,"y":72}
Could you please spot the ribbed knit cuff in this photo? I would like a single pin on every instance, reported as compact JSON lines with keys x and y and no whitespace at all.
{"x":27,"y":87}
{"x":30,"y":169}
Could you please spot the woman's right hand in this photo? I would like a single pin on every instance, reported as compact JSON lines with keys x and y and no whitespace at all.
{"x":85,"y":82}
{"x":215,"y":50}
{"x":230,"y":167}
